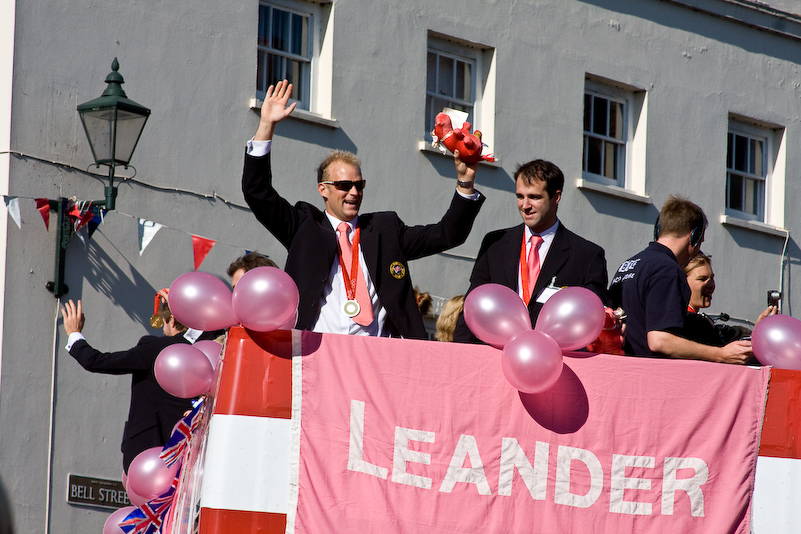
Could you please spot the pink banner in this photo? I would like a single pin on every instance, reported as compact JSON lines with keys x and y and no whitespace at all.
{"x":401,"y":436}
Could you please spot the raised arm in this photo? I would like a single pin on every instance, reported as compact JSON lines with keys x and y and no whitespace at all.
{"x":465,"y":174}
{"x":274,"y":110}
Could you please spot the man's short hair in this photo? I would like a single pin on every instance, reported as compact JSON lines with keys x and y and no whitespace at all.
{"x":337,"y":155}
{"x":541,"y":171}
{"x":679,"y":217}
{"x":249,"y":261}
{"x":166,"y":315}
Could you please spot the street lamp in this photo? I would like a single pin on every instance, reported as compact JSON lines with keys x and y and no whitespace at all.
{"x":113,"y":124}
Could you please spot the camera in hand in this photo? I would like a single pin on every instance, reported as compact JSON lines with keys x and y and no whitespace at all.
{"x":774,"y":297}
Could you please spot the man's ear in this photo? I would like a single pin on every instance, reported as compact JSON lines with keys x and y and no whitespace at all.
{"x":322,"y":190}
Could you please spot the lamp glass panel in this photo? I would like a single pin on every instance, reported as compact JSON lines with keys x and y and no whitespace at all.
{"x":129,"y":128}
{"x":100,"y":132}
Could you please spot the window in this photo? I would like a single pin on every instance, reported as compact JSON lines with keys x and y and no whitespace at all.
{"x":755,"y":171}
{"x":460,"y":75}
{"x":613,"y":150}
{"x":449,"y":83}
{"x":746,"y":173}
{"x":605,"y":136}
{"x":291,"y":46}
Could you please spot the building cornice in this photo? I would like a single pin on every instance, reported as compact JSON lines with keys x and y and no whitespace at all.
{"x":754,"y":14}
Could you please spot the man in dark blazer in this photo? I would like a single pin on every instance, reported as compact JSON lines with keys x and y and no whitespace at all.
{"x":153,"y":412}
{"x":329,"y":302}
{"x":564,"y":258}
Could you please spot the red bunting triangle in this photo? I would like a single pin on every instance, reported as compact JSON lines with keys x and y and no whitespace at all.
{"x":43,"y":205}
{"x":84,"y":217}
{"x":201,"y":247}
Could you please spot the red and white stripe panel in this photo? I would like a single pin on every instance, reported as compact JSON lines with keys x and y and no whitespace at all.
{"x":777,"y":490}
{"x":247,"y":468}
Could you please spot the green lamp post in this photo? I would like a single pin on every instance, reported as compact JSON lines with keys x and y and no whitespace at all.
{"x":113,"y":124}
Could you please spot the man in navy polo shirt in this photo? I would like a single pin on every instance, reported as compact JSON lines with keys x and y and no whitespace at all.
{"x":652,"y":289}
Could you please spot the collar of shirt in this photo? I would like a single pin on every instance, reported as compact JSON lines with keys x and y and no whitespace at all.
{"x":353,"y":223}
{"x":547,"y":238}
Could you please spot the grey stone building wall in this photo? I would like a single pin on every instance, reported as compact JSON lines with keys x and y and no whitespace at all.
{"x":193,"y":64}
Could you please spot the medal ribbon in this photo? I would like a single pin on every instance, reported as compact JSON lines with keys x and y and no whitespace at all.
{"x":350,"y":283}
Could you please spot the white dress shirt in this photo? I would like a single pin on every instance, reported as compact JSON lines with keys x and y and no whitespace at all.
{"x":547,"y":238}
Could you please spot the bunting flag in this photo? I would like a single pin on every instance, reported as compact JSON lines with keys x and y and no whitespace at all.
{"x":43,"y":205}
{"x":147,"y":519}
{"x":201,"y":247}
{"x":147,"y":230}
{"x":12,"y":204}
{"x":80,"y":216}
{"x":179,"y":439}
{"x":96,"y":221}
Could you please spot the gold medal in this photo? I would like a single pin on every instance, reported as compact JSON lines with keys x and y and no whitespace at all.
{"x":351,"y":308}
{"x":156,"y":321}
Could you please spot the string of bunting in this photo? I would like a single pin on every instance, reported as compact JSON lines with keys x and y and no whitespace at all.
{"x":85,"y":218}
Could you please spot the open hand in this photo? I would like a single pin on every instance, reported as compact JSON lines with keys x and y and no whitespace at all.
{"x":73,"y":317}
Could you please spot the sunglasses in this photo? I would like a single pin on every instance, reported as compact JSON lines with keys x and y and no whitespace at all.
{"x":346,"y":185}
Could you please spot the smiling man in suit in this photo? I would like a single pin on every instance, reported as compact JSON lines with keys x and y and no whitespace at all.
{"x":539,"y":254}
{"x":351,"y":269}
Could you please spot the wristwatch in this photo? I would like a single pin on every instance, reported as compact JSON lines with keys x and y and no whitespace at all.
{"x":462,"y":183}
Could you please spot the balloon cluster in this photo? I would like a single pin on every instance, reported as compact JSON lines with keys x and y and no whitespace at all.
{"x":532,"y":359}
{"x":265,"y":299}
{"x":776,"y":341}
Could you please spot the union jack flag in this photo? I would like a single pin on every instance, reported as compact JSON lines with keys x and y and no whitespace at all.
{"x":148,"y":518}
{"x":176,"y":445}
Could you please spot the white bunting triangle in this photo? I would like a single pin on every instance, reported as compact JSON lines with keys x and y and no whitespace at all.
{"x":147,"y":230}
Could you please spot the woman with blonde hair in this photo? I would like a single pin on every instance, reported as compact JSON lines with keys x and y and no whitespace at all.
{"x":446,"y":322}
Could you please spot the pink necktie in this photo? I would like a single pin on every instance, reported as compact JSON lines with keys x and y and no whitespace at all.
{"x":534,"y":261}
{"x":365,"y":315}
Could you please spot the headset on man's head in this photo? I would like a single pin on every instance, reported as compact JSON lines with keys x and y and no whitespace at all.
{"x":696,"y":235}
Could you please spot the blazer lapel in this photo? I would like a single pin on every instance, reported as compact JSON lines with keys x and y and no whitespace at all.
{"x":511,"y":249}
{"x":558,"y":254}
{"x":370,"y":244}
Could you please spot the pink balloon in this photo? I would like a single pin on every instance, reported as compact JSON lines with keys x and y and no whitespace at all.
{"x":149,"y":476}
{"x":136,"y":499}
{"x":201,"y":301}
{"x":212,"y":350}
{"x":183,"y":371}
{"x":495,"y":313}
{"x":573,"y":317}
{"x":290,"y":324}
{"x":531,"y":361}
{"x":265,"y":298}
{"x":112,"y":525}
{"x":776,"y":341}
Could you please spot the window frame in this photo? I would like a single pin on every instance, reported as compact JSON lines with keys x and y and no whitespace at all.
{"x":316,"y":98}
{"x":594,"y":90}
{"x":751,"y":132}
{"x":483,"y":61}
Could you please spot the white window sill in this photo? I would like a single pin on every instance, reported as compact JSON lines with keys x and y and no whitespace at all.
{"x":754,"y":226}
{"x":425,"y":146}
{"x":301,"y":115}
{"x":612,"y":191}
